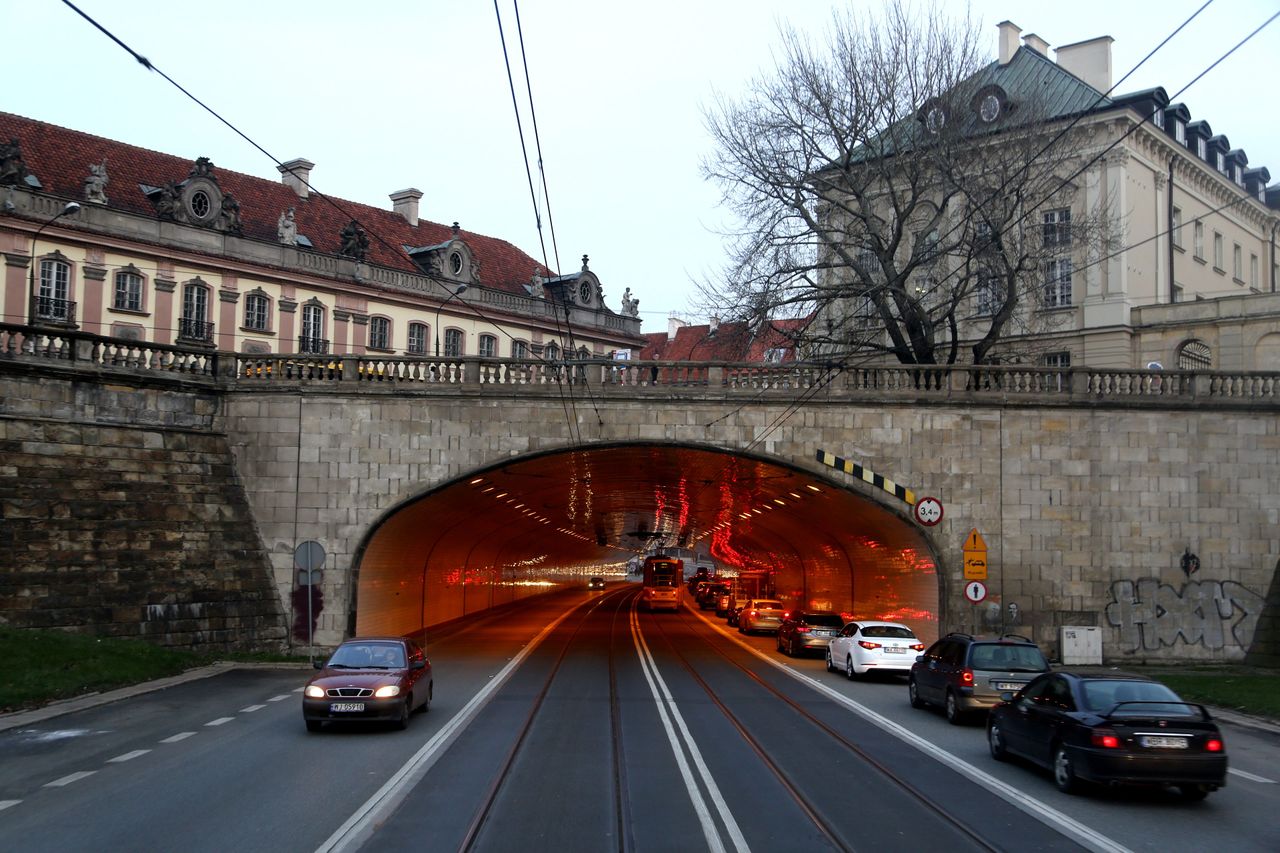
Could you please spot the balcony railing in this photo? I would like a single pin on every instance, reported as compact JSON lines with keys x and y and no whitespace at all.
{"x":315,"y":346}
{"x":61,"y":312}
{"x":195,"y":331}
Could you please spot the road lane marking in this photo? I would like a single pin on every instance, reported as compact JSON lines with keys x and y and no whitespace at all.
{"x":69,"y":778}
{"x":666,"y":704}
{"x":251,"y":709}
{"x":357,"y":828}
{"x":179,"y":736}
{"x":5,"y":804}
{"x":220,"y":721}
{"x":128,"y":756}
{"x":279,"y":698}
{"x":1061,"y":821}
{"x":1263,"y":779}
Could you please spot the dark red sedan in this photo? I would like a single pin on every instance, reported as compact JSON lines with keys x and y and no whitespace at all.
{"x":369,"y":679}
{"x":1110,"y":728}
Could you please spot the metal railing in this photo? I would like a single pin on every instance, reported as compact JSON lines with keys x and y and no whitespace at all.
{"x":195,"y":331}
{"x":61,"y":312}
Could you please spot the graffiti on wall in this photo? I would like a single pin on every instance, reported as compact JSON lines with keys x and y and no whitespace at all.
{"x":1215,"y":614}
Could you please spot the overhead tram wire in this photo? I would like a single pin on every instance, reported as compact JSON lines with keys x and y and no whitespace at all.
{"x":808,"y":393}
{"x":144,"y":62}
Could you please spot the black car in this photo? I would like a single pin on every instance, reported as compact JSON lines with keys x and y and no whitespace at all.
{"x":965,"y":673}
{"x":710,"y":594}
{"x":595,"y":583}
{"x":1112,"y":728}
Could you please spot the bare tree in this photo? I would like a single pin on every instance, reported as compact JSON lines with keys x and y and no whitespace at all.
{"x":891,"y":189}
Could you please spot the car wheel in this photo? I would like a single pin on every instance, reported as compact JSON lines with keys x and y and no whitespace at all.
{"x":830,"y":664}
{"x":426,"y":703}
{"x":741,"y":630}
{"x":914,"y":693}
{"x":314,"y":725}
{"x":791,"y":648}
{"x":1064,"y":773}
{"x":1193,"y":793}
{"x":995,"y":740}
{"x":402,"y":722}
{"x":952,"y":708}
{"x":849,"y":672}
{"x":777,"y":641}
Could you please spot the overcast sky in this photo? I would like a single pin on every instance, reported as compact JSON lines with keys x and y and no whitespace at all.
{"x":388,"y":94}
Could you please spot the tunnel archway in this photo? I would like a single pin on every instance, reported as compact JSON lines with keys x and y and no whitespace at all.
{"x":545,"y":521}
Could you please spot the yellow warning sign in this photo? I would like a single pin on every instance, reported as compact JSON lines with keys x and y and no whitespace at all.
{"x":975,"y":557}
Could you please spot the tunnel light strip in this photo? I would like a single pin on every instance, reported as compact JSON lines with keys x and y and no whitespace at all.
{"x":902,"y":493}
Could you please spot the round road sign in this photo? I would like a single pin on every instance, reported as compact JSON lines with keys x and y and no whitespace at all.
{"x":928,"y":511}
{"x":975,"y":591}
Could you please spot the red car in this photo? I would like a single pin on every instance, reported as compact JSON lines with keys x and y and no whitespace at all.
{"x":369,"y":679}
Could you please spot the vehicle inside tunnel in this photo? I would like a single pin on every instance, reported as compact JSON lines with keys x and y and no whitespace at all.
{"x":546,"y":522}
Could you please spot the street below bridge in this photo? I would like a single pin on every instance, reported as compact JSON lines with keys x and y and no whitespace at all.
{"x":573,"y":722}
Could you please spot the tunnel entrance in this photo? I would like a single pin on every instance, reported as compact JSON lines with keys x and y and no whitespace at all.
{"x":545,"y":522}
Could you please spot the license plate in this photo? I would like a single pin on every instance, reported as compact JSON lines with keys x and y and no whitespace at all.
{"x":341,"y":707}
{"x":894,"y":650}
{"x":824,"y":633}
{"x":1009,"y":685}
{"x":1164,"y":742}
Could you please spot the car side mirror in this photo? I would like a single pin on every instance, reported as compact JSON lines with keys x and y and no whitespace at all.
{"x":919,"y":658}
{"x":418,"y":664}
{"x":1006,"y":696}
{"x":318,"y":664}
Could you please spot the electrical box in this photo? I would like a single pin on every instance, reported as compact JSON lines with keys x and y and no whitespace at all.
{"x":1080,"y":645}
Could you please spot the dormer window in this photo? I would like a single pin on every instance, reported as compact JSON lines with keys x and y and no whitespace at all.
{"x":1180,"y":131}
{"x":1221,"y":162}
{"x":455,"y":263}
{"x":1262,"y":192}
{"x":1238,"y":173}
{"x":1202,"y":150}
{"x":1157,"y":117}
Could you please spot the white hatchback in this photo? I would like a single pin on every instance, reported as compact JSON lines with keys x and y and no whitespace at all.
{"x":862,"y":647}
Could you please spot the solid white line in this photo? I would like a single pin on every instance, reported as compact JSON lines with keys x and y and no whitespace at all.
{"x":1064,"y":823}
{"x":128,"y":756}
{"x":68,"y":779}
{"x":251,"y":709}
{"x":1263,"y":779}
{"x":5,"y":804}
{"x":179,"y":736}
{"x":279,"y":698}
{"x":220,"y":721}
{"x":355,"y":830}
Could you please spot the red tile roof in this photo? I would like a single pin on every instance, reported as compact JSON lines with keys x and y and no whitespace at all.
{"x":60,"y":159}
{"x":729,"y":342}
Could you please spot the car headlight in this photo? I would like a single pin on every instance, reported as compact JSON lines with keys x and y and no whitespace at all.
{"x":314,"y":692}
{"x":387,"y":692}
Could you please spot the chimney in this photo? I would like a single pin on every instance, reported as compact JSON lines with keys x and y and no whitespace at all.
{"x":1089,"y":60}
{"x":674,"y":324}
{"x":405,"y":203}
{"x":296,"y":174}
{"x":1009,"y":32}
{"x":715,"y":323}
{"x":1037,"y":44}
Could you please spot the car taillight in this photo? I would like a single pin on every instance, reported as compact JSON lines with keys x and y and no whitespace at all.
{"x":803,"y":629}
{"x":1213,"y":745}
{"x":751,"y":613}
{"x":868,"y":645}
{"x":919,"y":647}
{"x":967,"y":676}
{"x":1104,"y":738}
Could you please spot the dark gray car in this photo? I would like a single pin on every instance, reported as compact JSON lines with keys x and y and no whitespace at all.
{"x":964,"y":673}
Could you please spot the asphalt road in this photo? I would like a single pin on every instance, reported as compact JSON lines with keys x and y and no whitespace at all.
{"x":609,"y":730}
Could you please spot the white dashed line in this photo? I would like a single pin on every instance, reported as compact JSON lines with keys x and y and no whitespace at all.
{"x":251,"y":709}
{"x":179,"y":736}
{"x":1263,"y":779}
{"x":67,"y":780}
{"x":128,"y":756}
{"x":4,"y":804}
{"x":219,"y":721}
{"x":278,"y":698}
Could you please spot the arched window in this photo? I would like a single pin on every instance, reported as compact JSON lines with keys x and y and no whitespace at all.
{"x":1195,"y":355}
{"x":53,"y":303}
{"x":194,"y":324}
{"x":452,"y":343}
{"x":128,"y":291}
{"x":312,"y":338}
{"x":379,"y":333}
{"x":257,"y":312}
{"x":519,"y":349}
{"x":488,"y":346}
{"x":418,"y":338}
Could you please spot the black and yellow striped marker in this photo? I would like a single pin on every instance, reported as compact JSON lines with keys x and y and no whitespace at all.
{"x":902,"y":493}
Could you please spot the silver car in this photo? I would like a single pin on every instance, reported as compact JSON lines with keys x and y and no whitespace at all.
{"x":761,"y":615}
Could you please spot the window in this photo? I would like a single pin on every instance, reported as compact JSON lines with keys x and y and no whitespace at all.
{"x":1195,"y":355}
{"x":1057,"y":227}
{"x":1253,"y":271}
{"x":1180,"y":131}
{"x":982,"y":237}
{"x":1238,"y":174}
{"x":1057,"y":359}
{"x":418,"y":338}
{"x":312,"y":339}
{"x":128,"y":296}
{"x":774,"y":355}
{"x":452,"y":343}
{"x":989,"y":301}
{"x":552,"y":352}
{"x":55,"y":288}
{"x":926,"y":245}
{"x":257,"y":312}
{"x":1217,"y":251}
{"x":1198,"y":245}
{"x":1176,"y":228}
{"x":194,"y":324}
{"x":519,"y":349}
{"x":1057,"y":283}
{"x":488,"y":346}
{"x":1202,"y":150}
{"x":1221,"y":162}
{"x":1157,"y":117}
{"x":379,"y":333}
{"x":867,"y":262}
{"x":1237,"y":263}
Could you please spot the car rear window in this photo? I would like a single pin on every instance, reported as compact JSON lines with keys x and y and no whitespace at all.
{"x":832,"y":620}
{"x":1104,"y":694}
{"x":766,"y":605}
{"x":896,"y":632}
{"x":1007,"y":657}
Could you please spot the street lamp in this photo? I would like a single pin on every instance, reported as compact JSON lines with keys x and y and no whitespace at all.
{"x":461,"y":288}
{"x":69,"y":208}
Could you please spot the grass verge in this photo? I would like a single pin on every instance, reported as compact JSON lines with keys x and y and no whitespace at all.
{"x":44,"y":666}
{"x":1256,"y":693}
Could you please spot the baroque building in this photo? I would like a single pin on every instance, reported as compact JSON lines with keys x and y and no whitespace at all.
{"x":109,"y":238}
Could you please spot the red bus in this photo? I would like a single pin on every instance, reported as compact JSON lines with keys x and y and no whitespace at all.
{"x":663,"y":578}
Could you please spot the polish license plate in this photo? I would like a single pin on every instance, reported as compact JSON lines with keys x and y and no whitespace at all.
{"x":1009,"y":685}
{"x":894,"y":650}
{"x":1164,"y":742}
{"x":824,"y":633}
{"x":345,"y":707}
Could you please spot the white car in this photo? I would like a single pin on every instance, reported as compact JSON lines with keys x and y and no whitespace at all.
{"x":865,"y":646}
